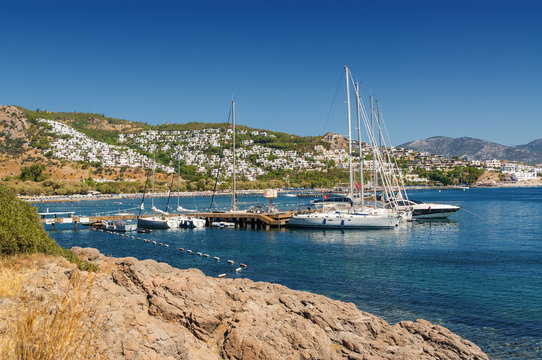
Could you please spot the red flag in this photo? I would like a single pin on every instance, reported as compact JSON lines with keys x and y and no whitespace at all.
{"x":358,"y":186}
{"x":325,"y":197}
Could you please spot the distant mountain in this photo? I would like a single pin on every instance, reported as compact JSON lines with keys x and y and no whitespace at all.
{"x":478,"y":149}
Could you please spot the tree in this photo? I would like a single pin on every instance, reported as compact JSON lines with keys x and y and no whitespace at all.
{"x":33,"y":173}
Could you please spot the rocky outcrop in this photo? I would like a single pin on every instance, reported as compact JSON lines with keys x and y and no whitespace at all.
{"x":150,"y":310}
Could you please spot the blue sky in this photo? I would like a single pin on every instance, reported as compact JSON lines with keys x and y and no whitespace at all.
{"x":453,"y":68}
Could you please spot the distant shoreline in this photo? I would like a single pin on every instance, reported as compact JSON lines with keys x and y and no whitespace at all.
{"x":67,"y":198}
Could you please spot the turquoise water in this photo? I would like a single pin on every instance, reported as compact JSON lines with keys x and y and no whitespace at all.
{"x":478,"y":274}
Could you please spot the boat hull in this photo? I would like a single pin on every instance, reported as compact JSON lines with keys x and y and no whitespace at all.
{"x":192,"y":223}
{"x":343,"y":221}
{"x":432,"y":214}
{"x":433,"y":211}
{"x":152,"y":223}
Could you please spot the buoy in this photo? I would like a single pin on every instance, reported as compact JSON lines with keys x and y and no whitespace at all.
{"x":222,"y":275}
{"x":160,"y":244}
{"x":243,"y":265}
{"x":206,"y":255}
{"x":166,"y":245}
{"x":147,"y":240}
{"x":138,"y":238}
{"x":181,"y":249}
{"x":216,"y":258}
{"x":230,"y":262}
{"x":200,"y":254}
{"x":189,"y":251}
{"x":154,"y":242}
{"x":238,"y":269}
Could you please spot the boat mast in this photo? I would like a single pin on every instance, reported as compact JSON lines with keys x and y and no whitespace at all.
{"x":347,"y":73}
{"x":178,"y":173}
{"x":380,"y":146}
{"x":374,"y":151}
{"x":234,"y":200}
{"x":361,"y":193}
{"x":153,"y":170}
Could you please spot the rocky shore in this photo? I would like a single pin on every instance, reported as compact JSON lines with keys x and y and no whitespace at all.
{"x":150,"y":310}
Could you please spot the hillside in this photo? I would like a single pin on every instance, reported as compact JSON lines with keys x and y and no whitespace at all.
{"x":79,"y":146}
{"x":477,"y":149}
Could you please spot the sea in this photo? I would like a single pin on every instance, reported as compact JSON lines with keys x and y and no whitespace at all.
{"x":479,"y":273}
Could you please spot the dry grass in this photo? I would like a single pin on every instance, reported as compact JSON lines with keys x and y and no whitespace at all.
{"x":14,"y":269}
{"x":59,"y":326}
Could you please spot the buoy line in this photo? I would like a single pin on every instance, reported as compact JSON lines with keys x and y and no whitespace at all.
{"x":199,"y":253}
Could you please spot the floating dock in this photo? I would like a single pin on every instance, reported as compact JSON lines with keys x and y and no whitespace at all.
{"x":241,"y":219}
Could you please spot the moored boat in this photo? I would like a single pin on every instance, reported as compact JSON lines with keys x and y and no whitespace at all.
{"x":120,"y":226}
{"x":191,"y":223}
{"x":421,"y":210}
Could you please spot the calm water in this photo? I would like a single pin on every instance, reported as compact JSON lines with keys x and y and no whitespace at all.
{"x":478,"y":274}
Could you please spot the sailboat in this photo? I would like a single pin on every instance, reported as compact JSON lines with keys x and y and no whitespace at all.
{"x":234,"y":192}
{"x":155,"y":221}
{"x":363,"y":217}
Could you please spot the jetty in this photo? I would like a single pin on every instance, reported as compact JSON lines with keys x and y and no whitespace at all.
{"x":253,"y":220}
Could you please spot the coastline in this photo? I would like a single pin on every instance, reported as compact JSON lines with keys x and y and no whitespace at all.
{"x":153,"y":310}
{"x":80,"y":197}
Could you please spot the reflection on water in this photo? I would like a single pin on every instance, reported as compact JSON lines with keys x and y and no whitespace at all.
{"x":478,"y":275}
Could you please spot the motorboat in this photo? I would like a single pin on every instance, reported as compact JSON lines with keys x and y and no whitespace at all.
{"x":120,"y":226}
{"x":191,"y":222}
{"x":422,"y":210}
{"x":222,"y":224}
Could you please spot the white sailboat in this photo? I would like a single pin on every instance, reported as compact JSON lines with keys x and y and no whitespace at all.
{"x":363,"y":217}
{"x":155,"y":221}
{"x":184,"y":221}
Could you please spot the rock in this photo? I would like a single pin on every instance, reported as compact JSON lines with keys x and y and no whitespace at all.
{"x":89,"y":254}
{"x":150,"y":310}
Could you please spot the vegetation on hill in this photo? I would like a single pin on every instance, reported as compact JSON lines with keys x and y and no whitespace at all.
{"x":35,"y":179}
{"x":458,"y":175}
{"x":21,"y":232}
{"x":95,"y":126}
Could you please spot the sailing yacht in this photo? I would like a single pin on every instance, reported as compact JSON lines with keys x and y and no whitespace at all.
{"x":363,"y":217}
{"x":155,"y":221}
{"x":234,"y":184}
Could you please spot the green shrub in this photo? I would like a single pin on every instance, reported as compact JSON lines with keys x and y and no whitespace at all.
{"x":22,"y":233}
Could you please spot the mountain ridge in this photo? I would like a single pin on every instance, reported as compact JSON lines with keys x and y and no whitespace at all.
{"x":478,"y":149}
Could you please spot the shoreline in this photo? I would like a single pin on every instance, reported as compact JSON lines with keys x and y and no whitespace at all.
{"x":80,"y":197}
{"x":191,"y":315}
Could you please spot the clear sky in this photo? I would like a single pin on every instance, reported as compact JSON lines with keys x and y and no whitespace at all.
{"x":453,"y":68}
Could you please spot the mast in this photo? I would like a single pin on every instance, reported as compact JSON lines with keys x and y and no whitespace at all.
{"x":351,"y":190}
{"x":234,"y":200}
{"x":361,"y":193}
{"x":374,"y":152}
{"x":178,"y":173}
{"x":142,"y":206}
{"x":153,"y":170}
{"x":380,"y":145}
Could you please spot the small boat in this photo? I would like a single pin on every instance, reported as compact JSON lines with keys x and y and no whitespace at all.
{"x":191,"y":223}
{"x":222,"y":224}
{"x":120,"y":226}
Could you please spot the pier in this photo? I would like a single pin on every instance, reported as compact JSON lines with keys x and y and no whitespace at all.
{"x":241,"y":219}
